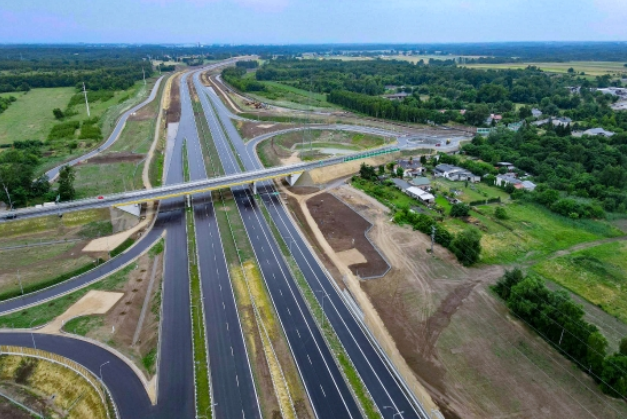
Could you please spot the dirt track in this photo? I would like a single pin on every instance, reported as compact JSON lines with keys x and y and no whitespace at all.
{"x":109,"y":158}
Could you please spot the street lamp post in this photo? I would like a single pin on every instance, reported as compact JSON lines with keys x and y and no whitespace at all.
{"x":32,"y":335}
{"x":325,"y":295}
{"x":102,"y":365}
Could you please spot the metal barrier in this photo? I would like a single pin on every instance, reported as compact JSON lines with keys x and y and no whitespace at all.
{"x":94,"y":381}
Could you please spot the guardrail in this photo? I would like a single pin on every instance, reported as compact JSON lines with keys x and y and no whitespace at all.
{"x":94,"y":381}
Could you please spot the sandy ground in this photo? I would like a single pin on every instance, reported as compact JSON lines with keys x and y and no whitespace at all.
{"x":94,"y":302}
{"x":352,"y":257}
{"x":108,"y":243}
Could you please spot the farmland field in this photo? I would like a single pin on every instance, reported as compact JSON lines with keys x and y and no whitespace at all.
{"x":30,"y":117}
{"x":591,"y":68}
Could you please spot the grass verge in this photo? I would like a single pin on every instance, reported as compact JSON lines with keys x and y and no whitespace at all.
{"x":50,"y":282}
{"x":201,"y":366}
{"x":43,"y":313}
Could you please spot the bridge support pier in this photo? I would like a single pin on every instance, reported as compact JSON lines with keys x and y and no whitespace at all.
{"x":253,"y":188}
{"x":291,"y":179}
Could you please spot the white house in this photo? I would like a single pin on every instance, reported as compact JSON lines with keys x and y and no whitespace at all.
{"x":418,"y":193}
{"x":455,"y":173}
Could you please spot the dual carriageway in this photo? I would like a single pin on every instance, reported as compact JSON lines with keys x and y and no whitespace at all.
{"x":233,"y":387}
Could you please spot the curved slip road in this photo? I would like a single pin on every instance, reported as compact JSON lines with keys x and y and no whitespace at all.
{"x":377,"y":374}
{"x":113,"y":137}
{"x":175,"y":381}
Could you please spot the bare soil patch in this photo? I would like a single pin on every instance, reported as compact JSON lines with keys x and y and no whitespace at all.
{"x":173,"y":111}
{"x":108,"y":158}
{"x":144,"y":114}
{"x":10,"y":411}
{"x":120,"y":322}
{"x":250,"y":130}
{"x":303,"y":190}
{"x":345,"y":230}
{"x":296,"y":211}
{"x":460,"y":340}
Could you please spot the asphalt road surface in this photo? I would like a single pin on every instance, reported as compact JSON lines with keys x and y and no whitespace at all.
{"x":381,"y":382}
{"x":232,"y":381}
{"x":327,"y":390}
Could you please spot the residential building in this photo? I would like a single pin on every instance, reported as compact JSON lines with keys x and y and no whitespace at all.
{"x":401,"y":184}
{"x":504,"y":180}
{"x":412,"y":167}
{"x":421,"y":182}
{"x":598,"y":131}
{"x":418,"y":193}
{"x":397,"y":96}
{"x":528,"y":185}
{"x":536,"y":113}
{"x":455,"y":173}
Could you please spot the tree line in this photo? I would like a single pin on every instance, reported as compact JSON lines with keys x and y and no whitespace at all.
{"x":575,"y":176}
{"x":102,"y":79}
{"x":18,"y":169}
{"x":235,"y":77}
{"x":5,"y":102}
{"x":559,"y":321}
{"x":439,"y":91}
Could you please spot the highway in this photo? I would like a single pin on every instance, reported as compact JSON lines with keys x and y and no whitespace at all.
{"x":327,"y":390}
{"x":175,"y":374}
{"x":233,"y":387}
{"x":376,"y":374}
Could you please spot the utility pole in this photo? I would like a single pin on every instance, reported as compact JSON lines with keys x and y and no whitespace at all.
{"x":8,"y":196}
{"x":86,"y":101}
{"x":19,"y":278}
{"x":144,"y":75}
{"x":432,"y":238}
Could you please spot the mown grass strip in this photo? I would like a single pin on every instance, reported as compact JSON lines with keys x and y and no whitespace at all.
{"x":29,"y":288}
{"x":43,"y":313}
{"x":350,"y":373}
{"x":201,"y":367}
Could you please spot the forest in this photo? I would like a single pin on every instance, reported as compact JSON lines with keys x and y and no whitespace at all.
{"x":446,"y":92}
{"x":576,"y":176}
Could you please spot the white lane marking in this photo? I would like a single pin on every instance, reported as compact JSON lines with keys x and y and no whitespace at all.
{"x":232,"y":354}
{"x":237,"y":379}
{"x":298,"y":333}
{"x":309,"y":359}
{"x":223,"y":306}
{"x":289,"y":312}
{"x":227,"y":328}
{"x":323,"y":393}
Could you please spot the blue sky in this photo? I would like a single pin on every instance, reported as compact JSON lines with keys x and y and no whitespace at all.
{"x":311,"y":21}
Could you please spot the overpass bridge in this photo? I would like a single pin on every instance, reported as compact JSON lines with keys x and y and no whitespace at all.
{"x":190,"y":188}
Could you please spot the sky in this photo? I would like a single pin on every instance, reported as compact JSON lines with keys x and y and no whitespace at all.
{"x":310,"y":21}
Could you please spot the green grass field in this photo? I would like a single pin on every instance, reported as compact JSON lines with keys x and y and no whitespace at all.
{"x":597,"y":274}
{"x":591,"y":68}
{"x":136,"y":137}
{"x":531,"y":232}
{"x":30,"y":117}
{"x":96,"y":179}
